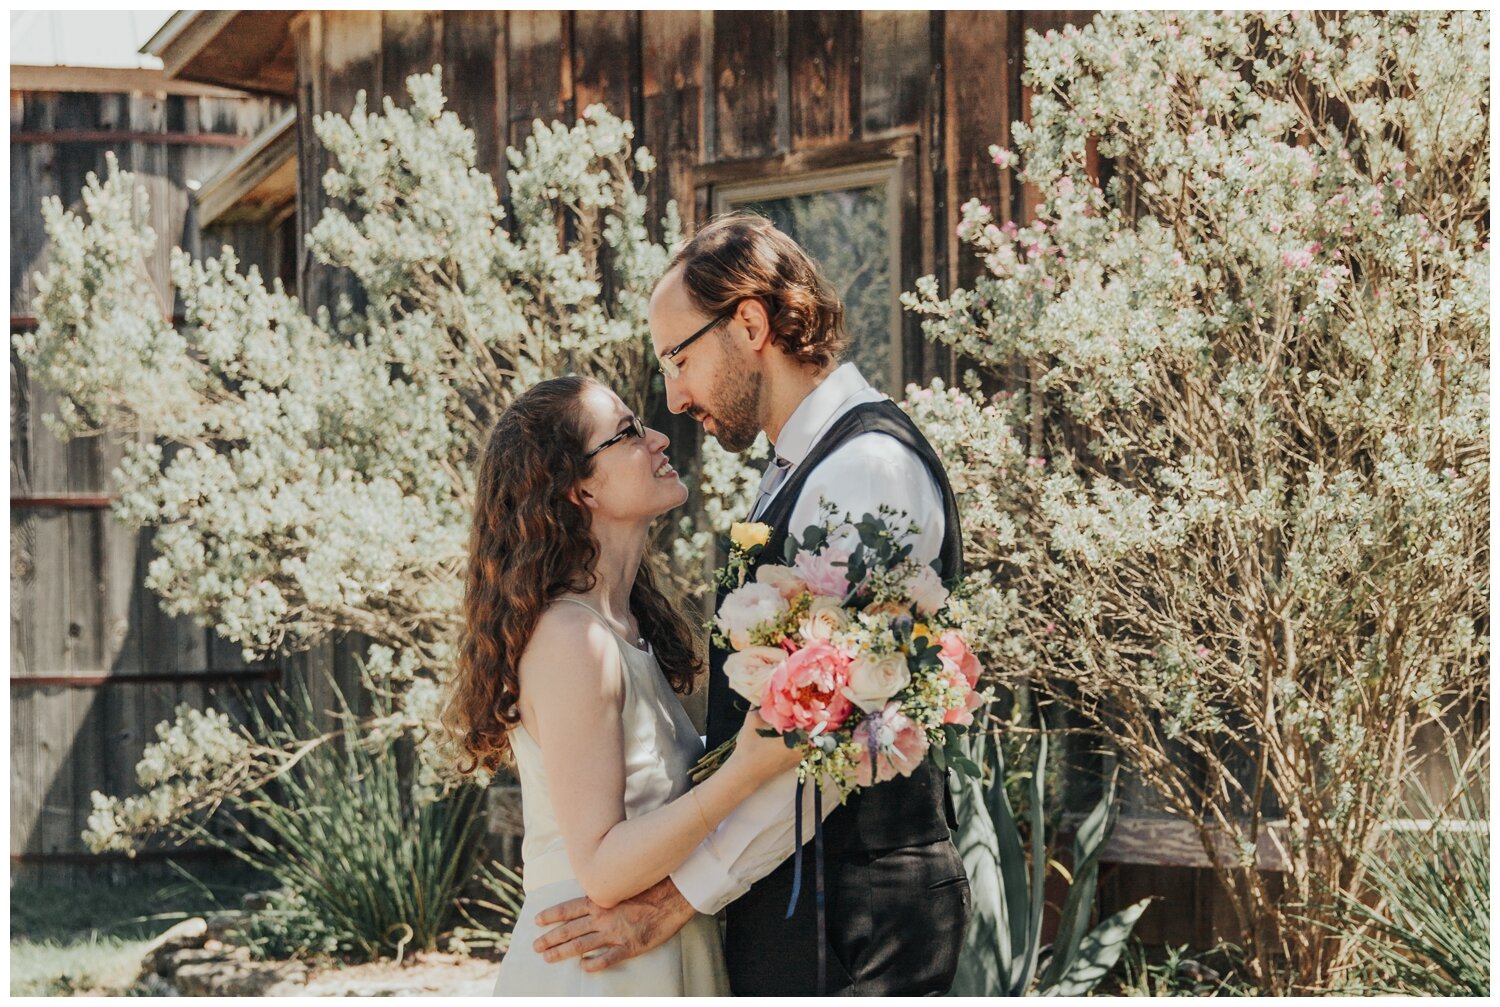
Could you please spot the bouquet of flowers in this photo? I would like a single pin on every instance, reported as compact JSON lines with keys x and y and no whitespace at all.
{"x":856,"y":655}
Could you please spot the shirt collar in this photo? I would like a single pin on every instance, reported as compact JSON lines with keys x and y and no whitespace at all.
{"x":815,"y":412}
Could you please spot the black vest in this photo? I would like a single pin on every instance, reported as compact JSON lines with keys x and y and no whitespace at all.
{"x":906,"y":811}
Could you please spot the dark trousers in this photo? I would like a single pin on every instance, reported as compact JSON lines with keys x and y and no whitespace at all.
{"x":895,"y":924}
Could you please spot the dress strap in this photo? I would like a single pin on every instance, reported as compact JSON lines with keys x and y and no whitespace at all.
{"x":620,"y":636}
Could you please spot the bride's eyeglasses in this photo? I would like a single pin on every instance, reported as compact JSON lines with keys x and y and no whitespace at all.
{"x":635,"y":429}
{"x":669,"y":366}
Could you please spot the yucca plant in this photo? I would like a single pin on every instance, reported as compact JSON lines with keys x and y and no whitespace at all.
{"x":1003,"y":953}
{"x":341,"y":832}
{"x":1427,"y":929}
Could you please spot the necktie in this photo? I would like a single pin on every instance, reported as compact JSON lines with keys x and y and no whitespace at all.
{"x":776,"y":473}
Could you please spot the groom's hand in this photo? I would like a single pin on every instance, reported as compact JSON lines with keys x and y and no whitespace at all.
{"x":631,"y":928}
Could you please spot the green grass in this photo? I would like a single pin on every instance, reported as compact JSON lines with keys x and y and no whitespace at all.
{"x":88,"y":938}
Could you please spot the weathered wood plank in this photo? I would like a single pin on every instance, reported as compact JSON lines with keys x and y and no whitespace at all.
{"x":606,"y":57}
{"x":745,"y":89}
{"x":474,"y":62}
{"x":672,"y":97}
{"x":25,"y":792}
{"x":539,"y":72}
{"x":312,"y":160}
{"x":977,"y":83}
{"x":410,"y":44}
{"x":823,"y":52}
{"x":33,"y":178}
{"x":895,"y":64}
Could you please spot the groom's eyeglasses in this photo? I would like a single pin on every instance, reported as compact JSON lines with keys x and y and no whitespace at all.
{"x":634,"y":430}
{"x":668,"y":364}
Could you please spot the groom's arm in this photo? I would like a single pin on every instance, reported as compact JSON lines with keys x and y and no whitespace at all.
{"x":759,"y":834}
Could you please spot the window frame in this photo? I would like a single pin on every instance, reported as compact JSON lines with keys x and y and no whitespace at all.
{"x":887,"y":171}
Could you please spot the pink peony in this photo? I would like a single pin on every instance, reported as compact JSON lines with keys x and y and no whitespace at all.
{"x":747,"y":607}
{"x":925,"y":589}
{"x":955,"y":651}
{"x":807,"y":690}
{"x":826,"y":573}
{"x":901,"y":744}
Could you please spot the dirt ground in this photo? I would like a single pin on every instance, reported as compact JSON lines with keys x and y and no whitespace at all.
{"x":425,"y":975}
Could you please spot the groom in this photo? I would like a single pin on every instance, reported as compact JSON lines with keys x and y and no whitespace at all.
{"x":748,"y":333}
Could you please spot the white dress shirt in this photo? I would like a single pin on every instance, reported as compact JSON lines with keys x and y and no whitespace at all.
{"x":866,"y":471}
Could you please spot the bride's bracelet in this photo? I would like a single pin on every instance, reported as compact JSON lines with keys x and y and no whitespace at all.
{"x":707,"y":829}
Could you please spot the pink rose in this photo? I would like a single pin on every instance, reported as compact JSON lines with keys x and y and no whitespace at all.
{"x":955,"y":651}
{"x":808,"y":690}
{"x":826,"y":573}
{"x":750,"y":669}
{"x":963,"y":713}
{"x":783,"y":578}
{"x":901,"y":745}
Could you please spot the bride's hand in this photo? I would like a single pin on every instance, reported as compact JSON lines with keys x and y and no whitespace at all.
{"x":760,"y":756}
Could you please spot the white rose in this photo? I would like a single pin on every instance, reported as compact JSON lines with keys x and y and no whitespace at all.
{"x":782,"y":578}
{"x":747,"y":607}
{"x":925,"y":589}
{"x":824,"y":618}
{"x":750,"y":669}
{"x":875,"y":679}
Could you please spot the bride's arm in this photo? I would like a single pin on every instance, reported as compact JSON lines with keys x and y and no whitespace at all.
{"x":572,"y":690}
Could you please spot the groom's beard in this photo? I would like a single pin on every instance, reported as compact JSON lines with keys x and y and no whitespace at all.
{"x":736,"y":410}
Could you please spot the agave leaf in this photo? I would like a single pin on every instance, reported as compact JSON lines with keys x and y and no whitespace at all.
{"x":1098,"y":952}
{"x":1088,"y":844}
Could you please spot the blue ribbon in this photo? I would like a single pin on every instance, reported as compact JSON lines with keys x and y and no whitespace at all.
{"x":819,"y":900}
{"x":797,"y":861}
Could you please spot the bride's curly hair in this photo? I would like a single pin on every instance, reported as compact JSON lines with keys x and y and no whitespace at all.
{"x":529,"y":544}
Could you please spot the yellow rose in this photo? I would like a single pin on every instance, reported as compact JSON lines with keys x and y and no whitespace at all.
{"x":746,"y":534}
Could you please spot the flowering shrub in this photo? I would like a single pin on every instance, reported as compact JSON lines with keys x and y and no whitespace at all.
{"x":1251,"y":542}
{"x":313,"y":472}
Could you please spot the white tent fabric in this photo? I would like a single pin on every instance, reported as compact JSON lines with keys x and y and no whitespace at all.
{"x":84,"y":38}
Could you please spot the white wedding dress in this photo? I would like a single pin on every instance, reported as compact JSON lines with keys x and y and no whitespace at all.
{"x":660,"y":746}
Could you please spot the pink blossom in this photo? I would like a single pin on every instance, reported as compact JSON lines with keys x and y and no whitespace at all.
{"x":1065,"y":186}
{"x":826,"y":572}
{"x":900,"y":742}
{"x":1036,"y":463}
{"x":1203,"y":651}
{"x":1003,"y":158}
{"x":807,"y":690}
{"x":1300,"y":258}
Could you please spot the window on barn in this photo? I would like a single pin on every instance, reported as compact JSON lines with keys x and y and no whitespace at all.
{"x":849,"y":222}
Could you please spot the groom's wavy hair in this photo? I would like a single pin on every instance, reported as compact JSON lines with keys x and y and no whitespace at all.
{"x":530,"y":543}
{"x":741,"y":255}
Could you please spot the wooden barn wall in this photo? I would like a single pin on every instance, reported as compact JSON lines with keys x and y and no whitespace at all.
{"x":78,"y":610}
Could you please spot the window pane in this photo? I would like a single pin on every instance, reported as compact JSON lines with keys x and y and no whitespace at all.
{"x":846,"y":232}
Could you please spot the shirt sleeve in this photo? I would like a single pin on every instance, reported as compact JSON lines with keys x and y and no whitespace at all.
{"x":749,"y":844}
{"x":861,"y":475}
{"x":867,"y":472}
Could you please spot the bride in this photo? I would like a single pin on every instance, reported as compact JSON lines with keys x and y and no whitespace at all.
{"x":568,"y":667}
